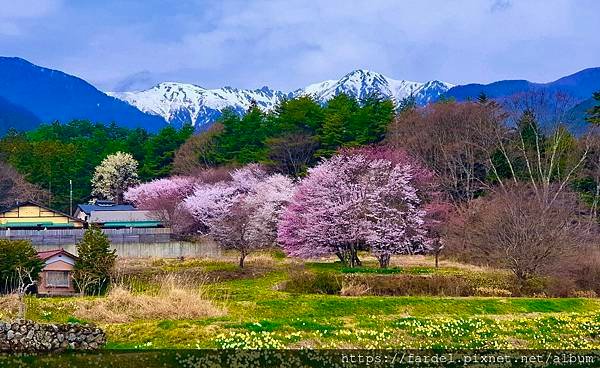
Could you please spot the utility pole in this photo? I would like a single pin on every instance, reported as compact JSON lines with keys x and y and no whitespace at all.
{"x":71,"y":197}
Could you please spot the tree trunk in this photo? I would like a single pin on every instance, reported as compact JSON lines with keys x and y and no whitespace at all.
{"x":345,"y":255}
{"x":22,"y":307}
{"x":341,"y":257}
{"x":437,"y":259}
{"x":356,"y":259}
{"x":384,"y":260}
{"x":242,"y":257}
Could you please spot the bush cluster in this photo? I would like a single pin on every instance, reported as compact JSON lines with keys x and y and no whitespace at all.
{"x":482,"y":284}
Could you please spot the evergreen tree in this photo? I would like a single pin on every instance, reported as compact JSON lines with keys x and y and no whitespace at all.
{"x":482,"y":98}
{"x":160,"y":151}
{"x":446,"y":99}
{"x":95,"y":262}
{"x":14,"y":255}
{"x":594,"y":113}
{"x":529,"y":130}
{"x":301,"y":114}
{"x":242,"y":139}
{"x":52,"y":154}
{"x":331,"y":136}
{"x":372,"y":119}
{"x":407,"y":103}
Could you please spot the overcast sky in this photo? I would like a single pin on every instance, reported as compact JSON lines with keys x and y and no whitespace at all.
{"x":127,"y":44}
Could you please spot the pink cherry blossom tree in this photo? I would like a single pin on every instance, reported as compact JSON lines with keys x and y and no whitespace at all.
{"x":241,"y":213}
{"x":359,"y":199}
{"x":164,"y":197}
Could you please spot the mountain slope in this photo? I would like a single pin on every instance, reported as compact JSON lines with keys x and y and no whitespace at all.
{"x":580,"y":86}
{"x":362,"y":83}
{"x":54,"y":95}
{"x":180,"y":103}
{"x":17,"y":117}
{"x":576,"y":116}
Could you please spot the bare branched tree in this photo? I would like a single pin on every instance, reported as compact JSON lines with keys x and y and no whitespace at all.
{"x":83,"y":281}
{"x":540,"y":150}
{"x":14,"y":187}
{"x":194,"y":155}
{"x":455,"y":140}
{"x":291,"y":154}
{"x":25,"y":282}
{"x":517,"y":230}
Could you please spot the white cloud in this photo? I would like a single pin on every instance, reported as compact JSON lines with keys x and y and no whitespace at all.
{"x":288,"y":44}
{"x":13,"y":13}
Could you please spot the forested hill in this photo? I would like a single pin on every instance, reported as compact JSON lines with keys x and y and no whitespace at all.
{"x":52,"y":154}
{"x":14,"y":116}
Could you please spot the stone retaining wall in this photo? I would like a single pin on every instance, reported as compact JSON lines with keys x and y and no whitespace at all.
{"x":24,"y":335}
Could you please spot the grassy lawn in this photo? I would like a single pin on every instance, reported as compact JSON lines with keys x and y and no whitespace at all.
{"x":258,"y":314}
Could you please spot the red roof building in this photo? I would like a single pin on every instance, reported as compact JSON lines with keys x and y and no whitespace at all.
{"x":56,"y":277}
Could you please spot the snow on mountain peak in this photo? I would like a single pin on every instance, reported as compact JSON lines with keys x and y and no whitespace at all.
{"x":181,"y":103}
{"x":361,"y":83}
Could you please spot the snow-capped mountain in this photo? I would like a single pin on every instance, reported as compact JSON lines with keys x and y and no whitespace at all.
{"x":180,"y":103}
{"x":187,"y":103}
{"x":362,"y":83}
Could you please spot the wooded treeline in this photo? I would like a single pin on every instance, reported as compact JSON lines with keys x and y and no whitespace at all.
{"x":51,"y":155}
{"x":472,"y":147}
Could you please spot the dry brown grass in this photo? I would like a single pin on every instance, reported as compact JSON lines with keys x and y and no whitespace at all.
{"x":354,"y":288}
{"x":9,"y":306}
{"x":173,"y":300}
{"x":429,"y":261}
{"x":261,"y":260}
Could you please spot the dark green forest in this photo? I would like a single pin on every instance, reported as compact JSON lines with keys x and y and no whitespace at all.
{"x":297,"y":133}
{"x":53,"y":154}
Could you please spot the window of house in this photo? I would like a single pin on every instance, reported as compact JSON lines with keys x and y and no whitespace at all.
{"x":57,"y":278}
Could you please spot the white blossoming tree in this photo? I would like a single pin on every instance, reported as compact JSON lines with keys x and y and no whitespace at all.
{"x":115,"y":174}
{"x":242,"y":213}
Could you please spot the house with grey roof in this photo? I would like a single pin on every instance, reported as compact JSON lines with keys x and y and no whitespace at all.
{"x":108,"y":214}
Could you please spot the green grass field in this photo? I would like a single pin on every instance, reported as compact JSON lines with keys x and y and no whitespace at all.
{"x":259,"y":315}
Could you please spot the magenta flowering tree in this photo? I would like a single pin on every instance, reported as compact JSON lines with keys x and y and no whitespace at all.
{"x":241,"y":213}
{"x":164,"y":197}
{"x":359,"y":199}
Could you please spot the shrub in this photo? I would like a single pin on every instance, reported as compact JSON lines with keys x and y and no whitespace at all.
{"x":487,"y":291}
{"x":392,"y":270}
{"x":586,"y":271}
{"x":536,"y":286}
{"x":354,"y":288}
{"x":15,"y":254}
{"x":517,"y":229}
{"x":9,"y":306}
{"x":439,"y":285}
{"x":306,"y":282}
{"x":583,"y":294}
{"x":485,"y":284}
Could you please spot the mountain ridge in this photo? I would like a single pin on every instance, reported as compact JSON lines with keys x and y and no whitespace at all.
{"x":33,"y":94}
{"x":189,"y":103}
{"x":579,"y":85}
{"x":53,"y":95}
